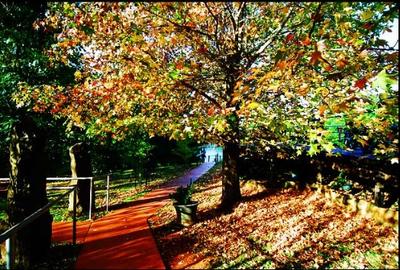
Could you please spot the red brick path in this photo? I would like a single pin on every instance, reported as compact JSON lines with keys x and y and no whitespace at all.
{"x":122,"y":239}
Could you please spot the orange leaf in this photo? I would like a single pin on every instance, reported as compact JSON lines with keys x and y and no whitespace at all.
{"x":341,"y":63}
{"x":315,"y":58}
{"x":322,"y":109}
{"x":210,"y":111}
{"x":306,"y":41}
{"x":361,"y":83}
{"x":191,"y":24}
{"x":179,"y":65}
{"x":368,"y":26}
{"x":341,"y":42}
{"x":328,"y":68}
{"x":392,"y":56}
{"x":281,"y":64}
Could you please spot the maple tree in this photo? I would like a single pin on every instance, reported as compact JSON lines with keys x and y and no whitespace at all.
{"x":267,"y":74}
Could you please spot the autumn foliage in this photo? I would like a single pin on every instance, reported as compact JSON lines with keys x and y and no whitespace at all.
{"x":264,"y":74}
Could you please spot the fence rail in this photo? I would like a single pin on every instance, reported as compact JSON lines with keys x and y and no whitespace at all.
{"x":78,"y":178}
{"x":107,"y":178}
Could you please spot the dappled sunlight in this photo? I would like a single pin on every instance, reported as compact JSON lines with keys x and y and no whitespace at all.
{"x":62,"y":231}
{"x":276,"y":228}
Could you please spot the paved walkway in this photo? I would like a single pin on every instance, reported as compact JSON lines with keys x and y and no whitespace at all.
{"x":122,"y":239}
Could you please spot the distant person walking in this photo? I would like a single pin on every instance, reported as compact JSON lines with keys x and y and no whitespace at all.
{"x":203,"y":155}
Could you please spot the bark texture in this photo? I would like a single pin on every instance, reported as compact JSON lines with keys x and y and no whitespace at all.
{"x":230,"y":182}
{"x":81,"y":167}
{"x":27,"y":192}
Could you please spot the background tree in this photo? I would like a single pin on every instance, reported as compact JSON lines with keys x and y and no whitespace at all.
{"x":23,"y":133}
{"x":27,"y":190}
{"x":228,"y":73}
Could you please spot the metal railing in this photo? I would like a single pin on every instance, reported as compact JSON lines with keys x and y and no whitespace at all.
{"x":79,"y":178}
{"x":107,"y":178}
{"x":213,"y":158}
{"x":75,"y":178}
{"x":9,"y":235}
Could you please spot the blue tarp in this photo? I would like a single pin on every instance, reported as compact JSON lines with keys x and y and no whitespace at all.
{"x":357,"y":152}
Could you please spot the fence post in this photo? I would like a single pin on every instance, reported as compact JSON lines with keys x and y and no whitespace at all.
{"x":91,"y":198}
{"x":10,"y":252}
{"x":107,"y":193}
{"x":74,"y":218}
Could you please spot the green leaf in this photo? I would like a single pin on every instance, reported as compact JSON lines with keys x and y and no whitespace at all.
{"x":313,"y":149}
{"x":174,"y":74}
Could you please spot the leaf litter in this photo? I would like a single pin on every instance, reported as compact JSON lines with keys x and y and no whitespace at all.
{"x":273,"y":228}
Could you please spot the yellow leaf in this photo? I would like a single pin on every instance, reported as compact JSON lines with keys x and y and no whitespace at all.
{"x":253,"y":105}
{"x":108,"y":85}
{"x":78,"y":75}
{"x":366,"y":15}
{"x":289,"y":95}
{"x":362,"y":142}
{"x":328,"y":147}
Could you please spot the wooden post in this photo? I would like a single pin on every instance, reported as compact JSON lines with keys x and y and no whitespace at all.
{"x":91,"y":197}
{"x":10,"y":252}
{"x":74,"y":217}
{"x":108,"y":189}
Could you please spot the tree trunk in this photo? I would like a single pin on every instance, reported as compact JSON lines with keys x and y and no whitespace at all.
{"x":230,"y":181}
{"x":27,"y":192}
{"x":80,"y":167}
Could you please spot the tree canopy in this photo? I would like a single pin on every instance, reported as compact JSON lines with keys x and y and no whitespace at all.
{"x":267,"y":74}
{"x":277,"y":66}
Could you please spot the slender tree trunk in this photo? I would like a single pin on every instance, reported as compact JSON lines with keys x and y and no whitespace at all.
{"x":81,"y":167}
{"x":27,"y":192}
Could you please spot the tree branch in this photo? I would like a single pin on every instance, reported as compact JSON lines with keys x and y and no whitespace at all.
{"x":216,"y":27}
{"x":213,"y":100}
{"x":274,"y":35}
{"x":315,"y":19}
{"x":185,"y":27}
{"x":231,"y":16}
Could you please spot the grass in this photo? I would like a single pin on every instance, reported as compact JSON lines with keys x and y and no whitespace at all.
{"x":3,"y":207}
{"x":135,"y":197}
{"x":273,"y":228}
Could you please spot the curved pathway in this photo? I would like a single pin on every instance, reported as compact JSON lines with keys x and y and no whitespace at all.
{"x":122,"y":239}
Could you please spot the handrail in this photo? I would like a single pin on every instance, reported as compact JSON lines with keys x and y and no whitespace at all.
{"x":33,"y":216}
{"x":8,"y":235}
{"x":91,"y":178}
{"x":67,"y":178}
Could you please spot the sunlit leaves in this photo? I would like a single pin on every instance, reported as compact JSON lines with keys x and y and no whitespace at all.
{"x":182,"y":69}
{"x":316,"y":232}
